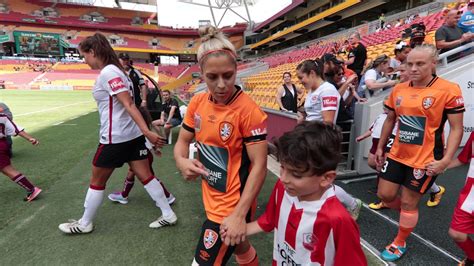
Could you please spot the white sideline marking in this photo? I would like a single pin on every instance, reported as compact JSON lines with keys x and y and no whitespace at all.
{"x":374,"y":251}
{"x":274,"y":167}
{"x":360,"y":179}
{"x":29,"y":218}
{"x":53,"y":108}
{"x":417,"y":236}
{"x":58,"y":123}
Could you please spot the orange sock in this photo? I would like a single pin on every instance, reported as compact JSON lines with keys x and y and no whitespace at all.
{"x":248,"y":258}
{"x":408,"y":221}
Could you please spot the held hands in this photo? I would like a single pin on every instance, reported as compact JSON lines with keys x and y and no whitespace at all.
{"x":155,"y":139}
{"x":233,"y":230}
{"x":436,"y":167}
{"x":191,"y":169}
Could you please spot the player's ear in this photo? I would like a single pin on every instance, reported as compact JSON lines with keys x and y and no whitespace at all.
{"x":328,"y":178}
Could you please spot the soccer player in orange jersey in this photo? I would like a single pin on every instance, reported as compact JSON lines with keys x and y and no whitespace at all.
{"x":421,"y":106}
{"x":230,"y":132}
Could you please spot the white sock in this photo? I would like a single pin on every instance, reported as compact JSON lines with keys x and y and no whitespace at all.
{"x":91,"y":205}
{"x":435,"y":188}
{"x":156,"y":192}
{"x":347,"y":200}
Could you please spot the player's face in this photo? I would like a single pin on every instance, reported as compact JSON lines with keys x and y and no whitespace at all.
{"x":90,"y":59}
{"x":420,"y":66}
{"x":307,"y":80}
{"x":305,"y":186}
{"x":402,"y":69}
{"x":287,"y":78}
{"x":219,"y":73}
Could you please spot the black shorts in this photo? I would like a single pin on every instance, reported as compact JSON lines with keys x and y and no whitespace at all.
{"x":115,"y":155}
{"x":409,"y":177}
{"x":210,"y":249}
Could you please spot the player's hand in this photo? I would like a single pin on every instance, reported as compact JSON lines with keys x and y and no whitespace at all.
{"x":34,"y":141}
{"x":379,"y":159}
{"x":236,"y":230}
{"x":436,"y":167}
{"x":191,"y":169}
{"x":143,"y":104}
{"x":223,"y":232}
{"x":155,"y":139}
{"x":359,"y":138}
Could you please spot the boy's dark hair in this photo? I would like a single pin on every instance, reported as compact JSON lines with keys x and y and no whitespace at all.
{"x":313,"y":147}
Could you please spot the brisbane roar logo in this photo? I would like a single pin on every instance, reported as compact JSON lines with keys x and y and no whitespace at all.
{"x":210,"y":238}
{"x":428,"y":102}
{"x":418,"y":173}
{"x":116,"y":84}
{"x":225,"y":130}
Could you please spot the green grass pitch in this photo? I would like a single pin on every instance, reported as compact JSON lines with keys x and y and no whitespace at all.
{"x":66,"y":123}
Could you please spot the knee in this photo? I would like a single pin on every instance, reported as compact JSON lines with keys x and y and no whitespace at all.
{"x":457,"y":236}
{"x":409,"y":205}
{"x":385,"y":197}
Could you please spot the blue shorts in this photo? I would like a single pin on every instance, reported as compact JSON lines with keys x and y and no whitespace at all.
{"x":176,"y":122}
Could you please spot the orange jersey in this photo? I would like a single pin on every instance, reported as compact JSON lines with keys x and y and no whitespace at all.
{"x":421,"y":115}
{"x":222,"y":133}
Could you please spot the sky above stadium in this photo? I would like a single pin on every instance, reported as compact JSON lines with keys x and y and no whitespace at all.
{"x":176,"y":14}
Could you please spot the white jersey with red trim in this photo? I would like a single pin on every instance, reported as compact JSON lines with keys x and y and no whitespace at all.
{"x":116,"y":125}
{"x":8,"y":127}
{"x":324,"y":98}
{"x":311,"y":232}
{"x":466,"y":197}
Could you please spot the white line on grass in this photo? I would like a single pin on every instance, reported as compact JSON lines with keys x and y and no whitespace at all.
{"x":360,"y":179}
{"x":53,"y":108}
{"x":417,"y":236}
{"x":29,"y":218}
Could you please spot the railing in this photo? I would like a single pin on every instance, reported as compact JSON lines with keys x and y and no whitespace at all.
{"x":443,"y":58}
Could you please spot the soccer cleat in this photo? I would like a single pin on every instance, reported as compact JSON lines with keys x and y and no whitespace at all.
{"x":393,"y":252}
{"x":355,"y":212}
{"x":33,"y":194}
{"x":161,"y":222}
{"x":435,"y":198}
{"x":377,"y":205}
{"x":171,"y":199}
{"x":117,"y":197}
{"x":466,"y":262}
{"x":75,"y":227}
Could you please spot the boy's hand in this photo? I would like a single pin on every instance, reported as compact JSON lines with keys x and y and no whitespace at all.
{"x":34,"y":141}
{"x":236,"y":230}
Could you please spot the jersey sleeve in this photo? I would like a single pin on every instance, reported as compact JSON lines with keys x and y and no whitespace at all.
{"x":347,"y":243}
{"x":268,"y":220}
{"x":189,"y":119}
{"x":254,"y":126}
{"x":12,"y":129}
{"x":455,"y":101}
{"x":175,"y":103}
{"x":466,"y":153}
{"x":329,"y":99}
{"x":371,"y":74}
{"x":114,"y":83}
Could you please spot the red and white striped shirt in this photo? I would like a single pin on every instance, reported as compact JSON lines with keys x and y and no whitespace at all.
{"x":116,"y":125}
{"x":466,"y":197}
{"x":311,"y":232}
{"x":7,"y":127}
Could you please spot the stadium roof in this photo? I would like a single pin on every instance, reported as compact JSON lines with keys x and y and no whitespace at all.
{"x":293,"y":5}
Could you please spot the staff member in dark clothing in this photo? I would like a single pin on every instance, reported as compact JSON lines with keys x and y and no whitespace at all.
{"x":287,"y":95}
{"x":170,"y":116}
{"x":139,"y":86}
{"x":357,"y":56}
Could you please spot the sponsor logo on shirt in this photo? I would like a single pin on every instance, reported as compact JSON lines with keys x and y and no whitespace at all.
{"x":259,"y":130}
{"x":398,"y":101}
{"x":215,"y":160}
{"x":287,"y":254}
{"x":412,"y":129}
{"x":210,"y":238}
{"x":428,"y":102}
{"x":329,"y":101}
{"x":459,"y":101}
{"x":418,"y":173}
{"x":116,"y":84}
{"x":225,"y":130}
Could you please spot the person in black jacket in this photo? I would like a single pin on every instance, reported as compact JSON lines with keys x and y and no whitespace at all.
{"x":287,"y":94}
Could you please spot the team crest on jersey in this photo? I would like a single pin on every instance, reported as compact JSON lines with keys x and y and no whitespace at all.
{"x":225,"y":130}
{"x":210,"y":238}
{"x":418,"y":173}
{"x":309,"y":241}
{"x":398,"y":101}
{"x":197,"y":122}
{"x":428,"y":102}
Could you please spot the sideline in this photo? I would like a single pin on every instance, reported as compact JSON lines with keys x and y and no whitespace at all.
{"x":53,"y":108}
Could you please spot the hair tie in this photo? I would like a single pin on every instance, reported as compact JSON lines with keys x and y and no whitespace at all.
{"x":206,"y":54}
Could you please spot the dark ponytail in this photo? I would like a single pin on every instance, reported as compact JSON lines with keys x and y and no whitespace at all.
{"x":316,"y":66}
{"x":102,"y":49}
